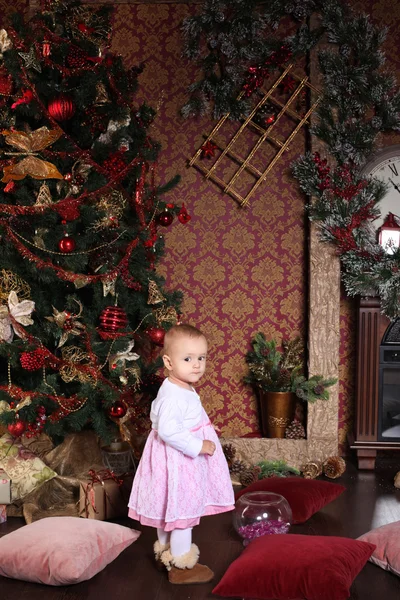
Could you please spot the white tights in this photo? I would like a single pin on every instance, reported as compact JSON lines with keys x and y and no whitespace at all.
{"x":180,"y":540}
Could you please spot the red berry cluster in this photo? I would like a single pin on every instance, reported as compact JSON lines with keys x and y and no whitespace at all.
{"x":323,"y":172}
{"x":32,"y":361}
{"x":257,"y":74}
{"x":76,"y":57}
{"x":36,"y":428}
{"x":347,"y":189}
{"x":115,"y":163}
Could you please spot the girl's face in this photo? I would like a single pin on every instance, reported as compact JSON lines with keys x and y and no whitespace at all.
{"x":186,"y":360}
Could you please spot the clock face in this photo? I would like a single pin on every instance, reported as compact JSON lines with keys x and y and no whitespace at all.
{"x":385,"y":165}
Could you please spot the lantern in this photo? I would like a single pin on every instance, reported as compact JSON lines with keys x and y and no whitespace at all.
{"x":389,"y":234}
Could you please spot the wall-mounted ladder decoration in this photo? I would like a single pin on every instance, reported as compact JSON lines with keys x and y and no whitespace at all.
{"x":268,"y":116}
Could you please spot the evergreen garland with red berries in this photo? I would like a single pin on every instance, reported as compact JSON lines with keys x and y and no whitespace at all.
{"x":238,"y":43}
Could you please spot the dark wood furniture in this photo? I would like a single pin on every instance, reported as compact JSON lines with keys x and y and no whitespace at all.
{"x":371,"y":327}
{"x":369,"y":501}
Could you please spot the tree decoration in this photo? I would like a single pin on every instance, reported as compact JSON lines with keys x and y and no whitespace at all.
{"x":156,"y":335}
{"x":118,"y":410}
{"x":155,"y":296}
{"x":183,"y":215}
{"x":10,"y":187}
{"x":77,"y":365}
{"x":334,"y":467}
{"x":17,"y":429}
{"x":14,"y":313}
{"x":11,"y":282}
{"x":66,"y":245}
{"x":44,"y":196}
{"x":208,"y":149}
{"x":61,"y":108}
{"x":113,"y":319}
{"x":68,"y":323}
{"x":165,"y":218}
{"x":28,"y":144}
{"x":5,"y":42}
{"x":360,"y":101}
{"x":166,"y":315}
{"x":119,"y":359}
{"x":31,"y":60}
{"x":35,"y":360}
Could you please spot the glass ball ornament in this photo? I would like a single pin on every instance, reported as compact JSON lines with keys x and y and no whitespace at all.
{"x":261,"y":513}
{"x":61,"y":108}
{"x":165,"y":218}
{"x":66,"y":245}
{"x":16,"y":429}
{"x":118,"y":410}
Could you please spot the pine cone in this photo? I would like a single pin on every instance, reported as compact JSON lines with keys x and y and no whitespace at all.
{"x":230,"y":453}
{"x":238,"y":467}
{"x":334,"y":467}
{"x":312,"y":470}
{"x":249,"y":475}
{"x":295,"y":431}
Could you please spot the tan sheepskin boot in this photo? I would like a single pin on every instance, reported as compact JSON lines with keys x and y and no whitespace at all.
{"x":185,"y":569}
{"x":158,"y":550}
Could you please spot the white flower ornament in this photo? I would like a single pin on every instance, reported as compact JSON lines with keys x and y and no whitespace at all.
{"x":19,"y":311}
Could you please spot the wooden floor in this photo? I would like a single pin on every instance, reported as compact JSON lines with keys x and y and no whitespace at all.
{"x":369,"y":501}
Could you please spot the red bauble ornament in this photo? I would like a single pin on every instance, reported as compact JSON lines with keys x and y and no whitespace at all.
{"x":66,"y":245}
{"x":156,"y":334}
{"x":16,"y":429}
{"x":165,"y":218}
{"x":118,"y":410}
{"x":61,"y":108}
{"x":112,"y":319}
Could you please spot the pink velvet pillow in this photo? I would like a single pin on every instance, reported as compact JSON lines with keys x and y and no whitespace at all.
{"x":62,"y":550}
{"x":387,"y":541}
{"x":279,"y":567}
{"x":305,"y":496}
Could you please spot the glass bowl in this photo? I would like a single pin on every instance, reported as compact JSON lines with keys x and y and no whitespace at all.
{"x":261,"y":513}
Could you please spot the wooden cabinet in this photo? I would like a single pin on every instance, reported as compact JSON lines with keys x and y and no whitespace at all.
{"x":371,"y":327}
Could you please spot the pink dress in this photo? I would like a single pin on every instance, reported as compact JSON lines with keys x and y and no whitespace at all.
{"x":175,"y":485}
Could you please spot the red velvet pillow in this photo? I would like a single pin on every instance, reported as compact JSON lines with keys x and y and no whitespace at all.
{"x":287,"y":566}
{"x":305,"y":496}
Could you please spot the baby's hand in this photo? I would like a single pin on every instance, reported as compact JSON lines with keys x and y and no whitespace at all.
{"x":208,"y":447}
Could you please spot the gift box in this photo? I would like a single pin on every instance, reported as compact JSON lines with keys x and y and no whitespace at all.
{"x":104,"y":495}
{"x":5,"y":488}
{"x":3,"y":513}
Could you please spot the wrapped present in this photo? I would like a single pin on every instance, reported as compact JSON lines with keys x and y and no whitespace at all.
{"x":104,"y":495}
{"x":3,"y":513}
{"x":5,"y":488}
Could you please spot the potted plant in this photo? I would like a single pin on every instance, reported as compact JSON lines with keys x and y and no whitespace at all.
{"x":278,"y":378}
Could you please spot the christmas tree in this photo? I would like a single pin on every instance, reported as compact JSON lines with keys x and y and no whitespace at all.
{"x":82,"y":307}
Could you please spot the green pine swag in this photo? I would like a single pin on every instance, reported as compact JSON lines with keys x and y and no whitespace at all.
{"x":228,"y":40}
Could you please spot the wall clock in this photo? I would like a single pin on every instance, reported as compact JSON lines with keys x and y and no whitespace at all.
{"x":385,"y":165}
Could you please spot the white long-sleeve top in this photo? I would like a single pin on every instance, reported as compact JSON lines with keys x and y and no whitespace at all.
{"x":173,"y":413}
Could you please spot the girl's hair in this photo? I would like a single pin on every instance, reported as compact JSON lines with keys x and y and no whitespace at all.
{"x":181,"y":330}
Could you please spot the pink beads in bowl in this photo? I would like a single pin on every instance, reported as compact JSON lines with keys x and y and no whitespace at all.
{"x":261,"y":513}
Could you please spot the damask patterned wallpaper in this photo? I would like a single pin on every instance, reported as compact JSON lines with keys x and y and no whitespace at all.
{"x":241,"y":271}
